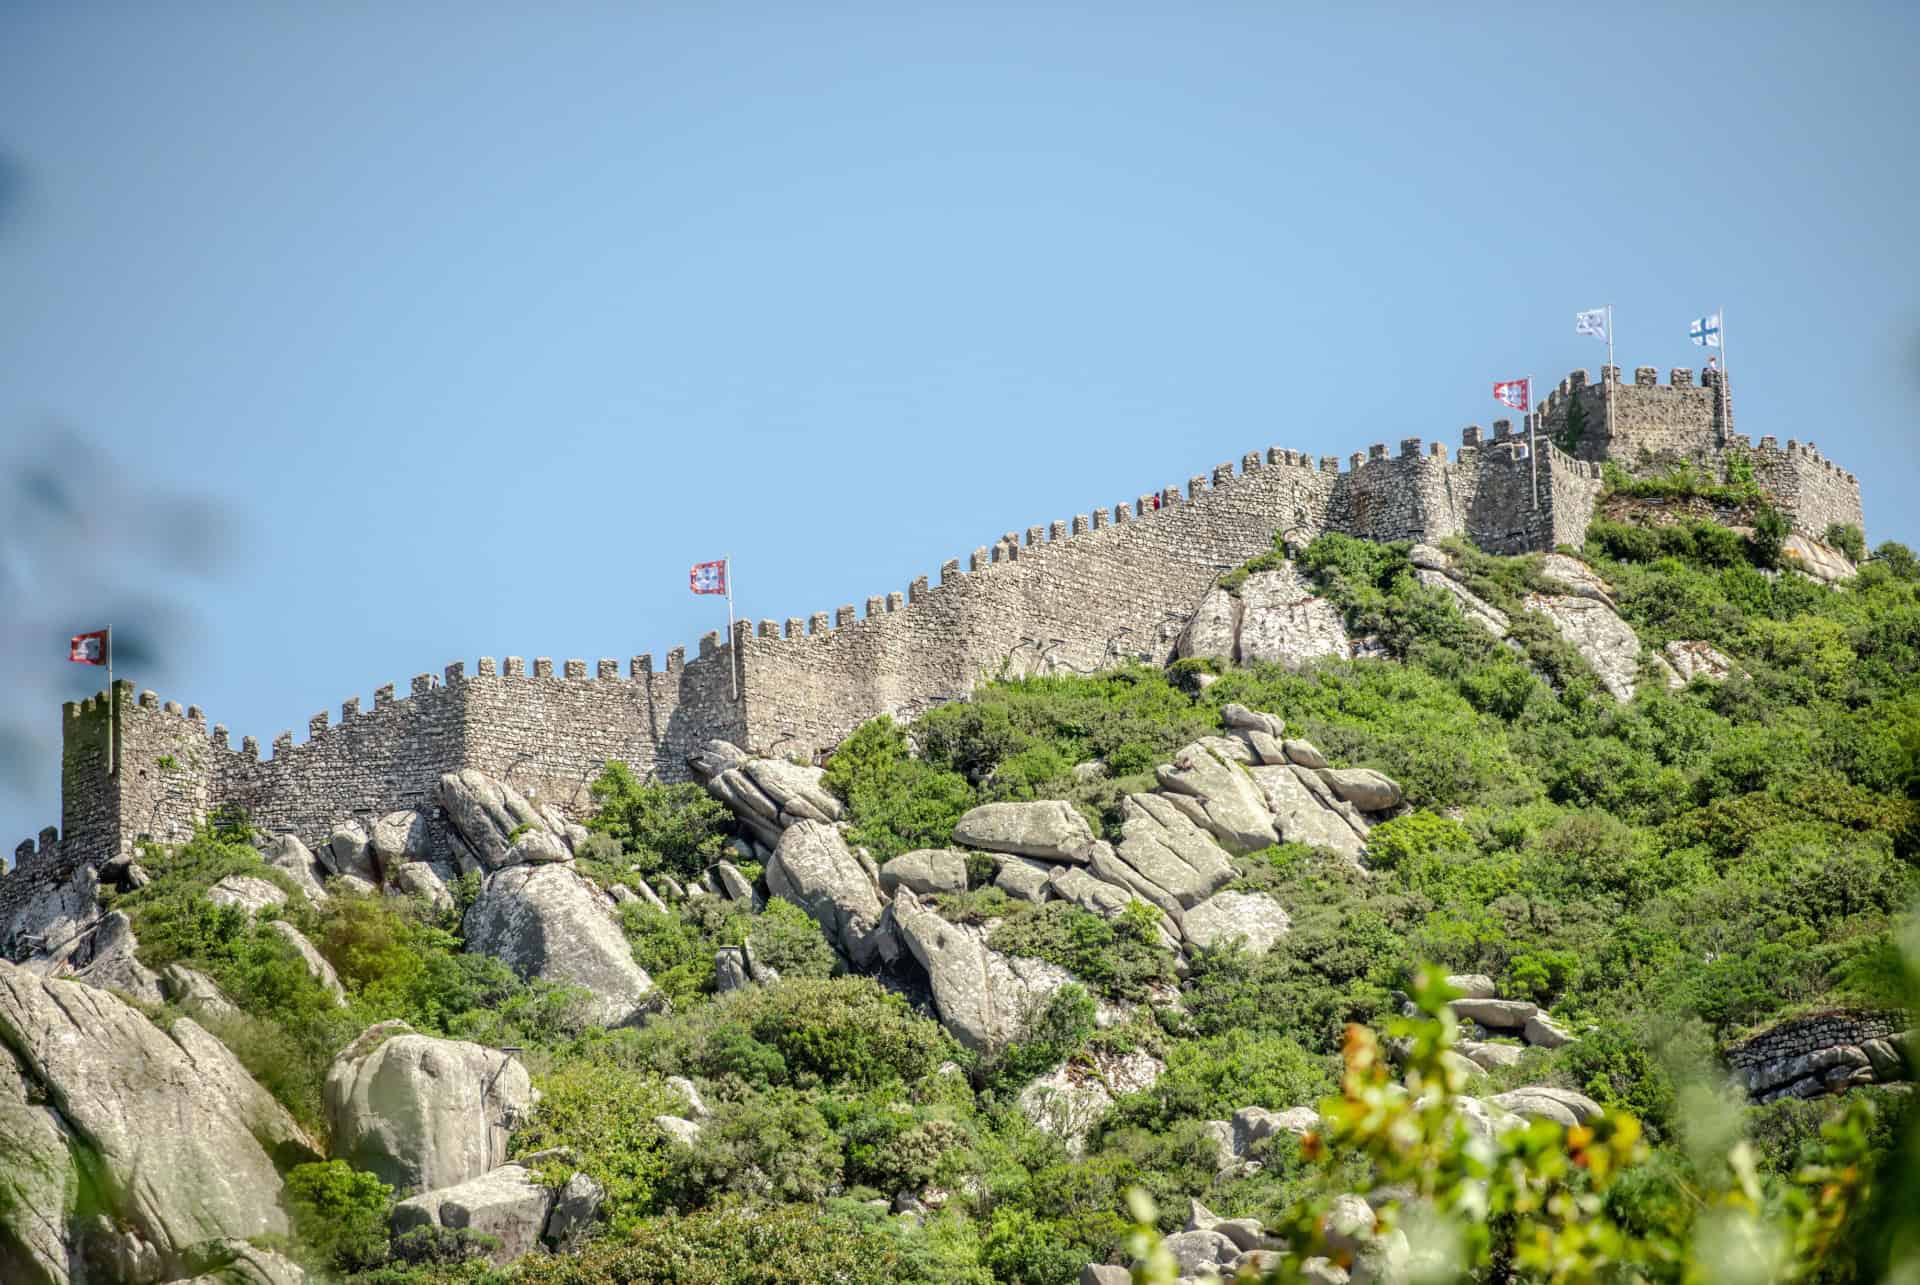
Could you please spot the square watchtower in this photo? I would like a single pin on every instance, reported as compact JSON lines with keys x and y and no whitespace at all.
{"x":1654,"y":426}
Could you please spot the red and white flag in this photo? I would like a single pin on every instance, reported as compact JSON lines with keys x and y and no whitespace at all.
{"x":88,"y":649}
{"x":1517,"y":393}
{"x":708,"y":577}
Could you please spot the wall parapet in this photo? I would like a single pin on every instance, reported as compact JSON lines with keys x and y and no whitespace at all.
{"x":1074,"y":592}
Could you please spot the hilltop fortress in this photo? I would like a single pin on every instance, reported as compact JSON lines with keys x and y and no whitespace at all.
{"x":1115,"y":584}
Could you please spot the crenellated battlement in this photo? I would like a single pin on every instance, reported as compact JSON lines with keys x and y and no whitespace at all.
{"x":1648,"y":428}
{"x":1110,"y":583}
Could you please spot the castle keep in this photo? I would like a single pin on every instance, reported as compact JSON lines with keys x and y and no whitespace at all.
{"x":1116,"y":583}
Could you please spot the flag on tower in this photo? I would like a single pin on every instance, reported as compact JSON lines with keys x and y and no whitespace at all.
{"x":88,"y":649}
{"x":1705,"y":331}
{"x":1591,"y":322}
{"x":1516,"y":393}
{"x":708,"y":577}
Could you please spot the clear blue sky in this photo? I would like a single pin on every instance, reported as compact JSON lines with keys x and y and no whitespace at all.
{"x":461,"y":330}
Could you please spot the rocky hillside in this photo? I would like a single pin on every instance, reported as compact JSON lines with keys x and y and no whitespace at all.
{"x":1088,"y":978}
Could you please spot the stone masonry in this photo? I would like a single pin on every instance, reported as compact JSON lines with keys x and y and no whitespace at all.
{"x":1116,"y":583}
{"x":1808,"y":1057}
{"x":1659,"y":426}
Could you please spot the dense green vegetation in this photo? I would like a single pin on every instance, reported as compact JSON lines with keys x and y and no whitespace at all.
{"x":1666,"y":875}
{"x":1685,"y":482}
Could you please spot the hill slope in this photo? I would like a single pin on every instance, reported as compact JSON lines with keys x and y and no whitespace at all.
{"x":931,"y":1014}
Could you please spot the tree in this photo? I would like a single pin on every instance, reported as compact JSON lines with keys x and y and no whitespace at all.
{"x":1575,"y":429}
{"x":1769,"y":539}
{"x":676,"y":828}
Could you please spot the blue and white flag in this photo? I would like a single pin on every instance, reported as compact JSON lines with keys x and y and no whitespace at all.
{"x":1592,"y":322}
{"x":1705,"y":331}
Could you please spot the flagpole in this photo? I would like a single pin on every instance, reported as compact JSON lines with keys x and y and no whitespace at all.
{"x":1533,"y":440}
{"x":112,"y":700}
{"x":1608,"y":382}
{"x":1726,"y":429}
{"x":733,"y":659}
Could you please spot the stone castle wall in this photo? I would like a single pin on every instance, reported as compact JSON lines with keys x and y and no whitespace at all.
{"x":1811,"y":489}
{"x":1119,"y":584}
{"x":548,"y":734}
{"x":1822,"y":1053}
{"x":1657,"y":427}
{"x":1113,"y":584}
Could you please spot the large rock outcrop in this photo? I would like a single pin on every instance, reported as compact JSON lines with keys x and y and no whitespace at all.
{"x":106,"y":957}
{"x":1576,"y":601}
{"x":1255,"y":919}
{"x":488,"y":815}
{"x":398,"y":838}
{"x":422,"y":1112}
{"x":984,"y":998}
{"x":1544,"y":1102}
{"x":1272,"y":616}
{"x":427,"y":880}
{"x":927,"y":871}
{"x":814,"y":869}
{"x":163,"y":1130}
{"x":1071,"y":1099}
{"x":1047,"y":828}
{"x":546,"y":921}
{"x":1301,"y":815}
{"x":288,"y":855}
{"x":246,"y":892}
{"x":1168,"y":849}
{"x":53,"y":919}
{"x":1691,"y":659}
{"x":1821,"y":561}
{"x":1213,"y":773}
{"x":766,"y":794}
{"x":1472,"y":605}
{"x":1282,"y":619}
{"x":504,"y":1203}
{"x":235,"y":1262}
{"x":1606,"y":642}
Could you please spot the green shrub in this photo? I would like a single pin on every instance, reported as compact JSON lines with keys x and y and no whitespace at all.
{"x":604,"y":1113}
{"x":673,"y":948}
{"x":1022,"y":739}
{"x":891,"y":1145}
{"x":431,"y":1246}
{"x":981,"y":869}
{"x":1539,"y":975}
{"x":1847,"y":538}
{"x":338,"y":1213}
{"x":800,"y":1031}
{"x":1415,"y":836}
{"x":1900,"y":561}
{"x":1768,"y":542}
{"x":1021,"y":1249}
{"x":772,"y":1146}
{"x":1211,"y":1078}
{"x":1335,"y":966}
{"x":1051,"y":1036}
{"x":764,"y":1244}
{"x":670,"y":829}
{"x":786,"y":939}
{"x":1120,"y":957}
{"x":895,"y":801}
{"x":1682,"y":482}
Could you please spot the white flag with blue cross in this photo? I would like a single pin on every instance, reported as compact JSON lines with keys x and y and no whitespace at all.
{"x":1705,"y":331}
